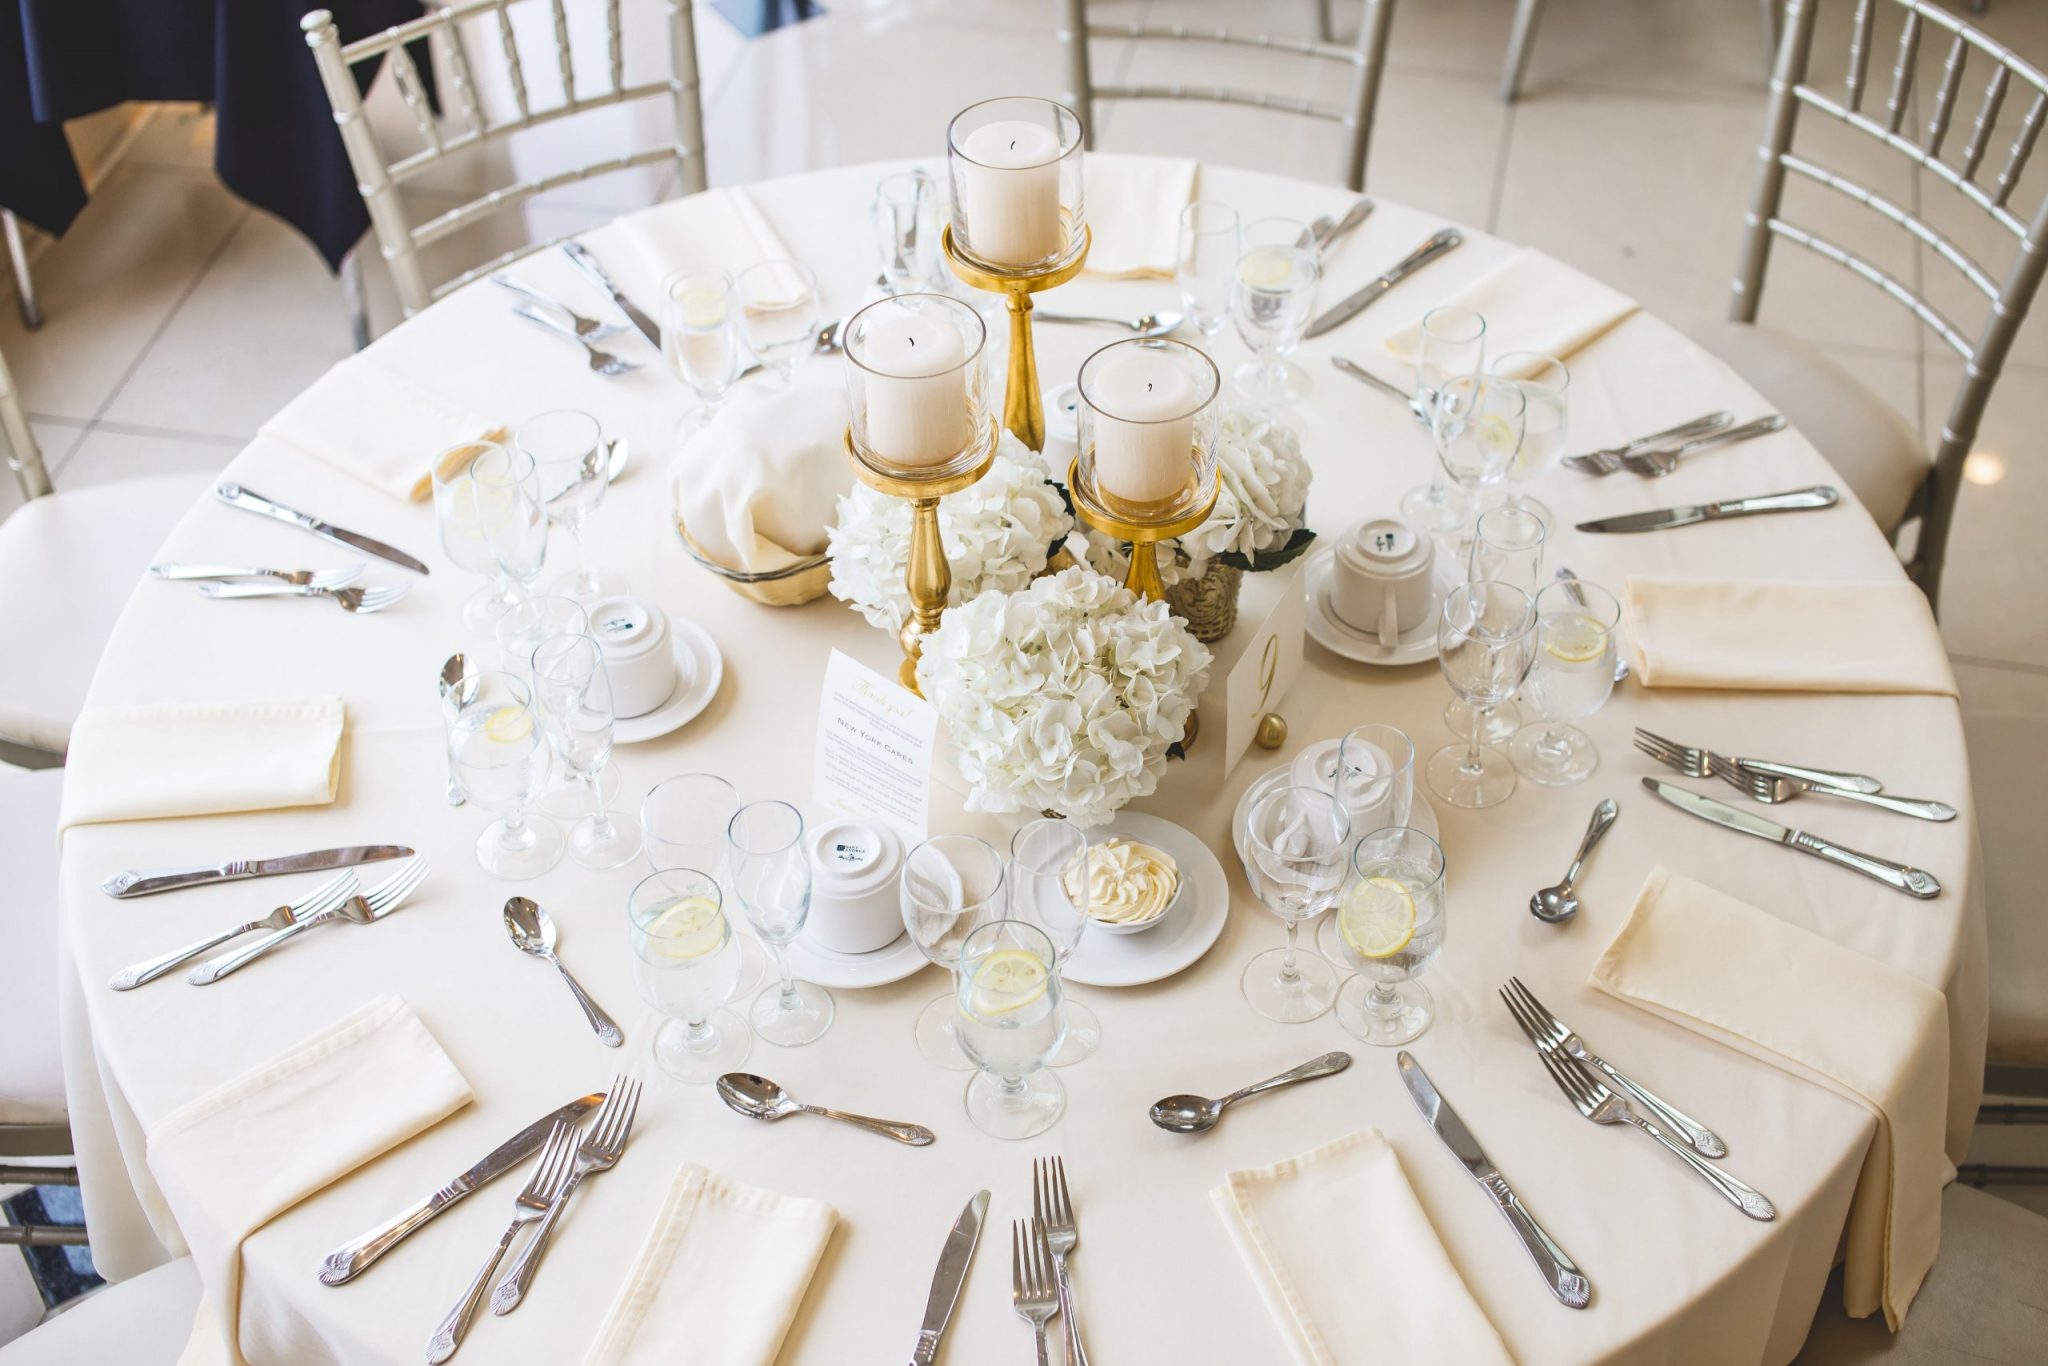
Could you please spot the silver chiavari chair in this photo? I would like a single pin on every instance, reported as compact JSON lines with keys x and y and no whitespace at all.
{"x":400,"y":240}
{"x":1367,"y":56}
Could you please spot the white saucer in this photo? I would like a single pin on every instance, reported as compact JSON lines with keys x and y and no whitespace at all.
{"x":1196,"y":921}
{"x":699,"y":670}
{"x":1415,"y":645}
{"x":1421,"y":815}
{"x":830,"y":968}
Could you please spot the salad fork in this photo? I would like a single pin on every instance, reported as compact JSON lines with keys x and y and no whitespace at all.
{"x":1695,"y":762}
{"x":1609,"y":460}
{"x":550,"y":1174}
{"x":1053,"y":1209}
{"x":598,"y":1152}
{"x":1659,"y":461}
{"x":361,"y":600}
{"x":603,"y":362}
{"x":365,"y":908}
{"x":1771,"y":788}
{"x":1034,"y":1287}
{"x":326,"y":578}
{"x":325,"y":897}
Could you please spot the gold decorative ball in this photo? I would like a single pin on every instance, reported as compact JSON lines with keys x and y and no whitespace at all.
{"x":1272,"y":732}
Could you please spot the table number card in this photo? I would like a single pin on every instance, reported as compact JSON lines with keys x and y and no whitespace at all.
{"x":1265,"y":668}
{"x":874,"y":755}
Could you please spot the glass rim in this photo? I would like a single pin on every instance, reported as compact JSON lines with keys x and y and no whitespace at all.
{"x":512,"y":477}
{"x":1454,"y":311}
{"x":1463,"y":593}
{"x":961,"y":308}
{"x":1512,"y":510}
{"x":577,"y":642}
{"x":1583,"y":607}
{"x":998,"y":862}
{"x":1059,"y":128}
{"x":1442,"y":864}
{"x":1168,"y":345}
{"x":1251,"y":829}
{"x":1406,"y":739}
{"x":676,"y":277}
{"x":1043,"y":823}
{"x":452,"y":466}
{"x":563,"y":417}
{"x":1195,"y":208}
{"x":996,"y":928}
{"x":918,"y":176}
{"x":1545,"y":361}
{"x":634,"y":912}
{"x":764,"y":851}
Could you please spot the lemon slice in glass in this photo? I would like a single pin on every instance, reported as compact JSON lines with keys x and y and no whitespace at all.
{"x":1574,"y":639}
{"x":508,"y":725}
{"x":691,"y":928}
{"x":1264,"y":267}
{"x":1007,"y":981}
{"x":1497,"y":435}
{"x":1378,"y":918}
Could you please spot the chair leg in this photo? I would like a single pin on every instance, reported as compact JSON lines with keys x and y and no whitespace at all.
{"x":354,"y":299}
{"x":40,"y":1235}
{"x":24,"y":283}
{"x":1325,"y":31}
{"x":1520,"y":39}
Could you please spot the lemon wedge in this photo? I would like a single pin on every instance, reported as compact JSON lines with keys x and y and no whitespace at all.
{"x":1378,"y":918}
{"x":1264,"y":267}
{"x":691,"y":928}
{"x":508,"y":725}
{"x":1006,"y":981}
{"x":1574,"y":639}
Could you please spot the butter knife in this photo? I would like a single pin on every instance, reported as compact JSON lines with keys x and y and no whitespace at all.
{"x":946,"y":1281}
{"x":1444,"y":240}
{"x":234,"y":495}
{"x":587,"y":263}
{"x":354,"y":1257}
{"x":147,"y":881}
{"x":1797,"y":500}
{"x":1898,"y":876}
{"x":1564,"y":1278}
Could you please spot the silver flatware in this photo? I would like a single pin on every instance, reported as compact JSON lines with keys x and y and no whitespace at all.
{"x":954,"y":1259}
{"x":324,"y":578}
{"x":756,"y":1097}
{"x":1659,"y":461}
{"x":1558,"y":904}
{"x":1795,"y":500}
{"x":355,"y":1256}
{"x":362,"y":601}
{"x":1189,"y":1114}
{"x":1566,"y":576}
{"x":602,"y":1145}
{"x":1609,"y":460}
{"x":1773,"y":788}
{"x":1053,"y":1209}
{"x":149,"y":881}
{"x":1145,"y":324}
{"x":1692,"y":761}
{"x":1898,"y":876}
{"x":458,"y":687}
{"x":365,"y":908}
{"x":590,"y":329}
{"x":1326,"y":230}
{"x":235,"y":495}
{"x":587,"y":263}
{"x":1034,"y":1289}
{"x":533,"y":932}
{"x":1567,"y":1283}
{"x":831,"y":337}
{"x":535,"y":1199}
{"x":1368,"y":378}
{"x":616,"y":465}
{"x":328,"y":894}
{"x":1551,"y":1034}
{"x":1345,"y":310}
{"x":601,"y":361}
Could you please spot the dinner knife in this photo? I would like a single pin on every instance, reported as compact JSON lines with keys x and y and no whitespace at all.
{"x":354,"y":1257}
{"x":1898,"y":876}
{"x":147,"y":881}
{"x":946,"y":1281}
{"x":1566,"y":1281}
{"x":1797,"y":500}
{"x":580,"y":254}
{"x":234,"y":495}
{"x":1357,"y":303}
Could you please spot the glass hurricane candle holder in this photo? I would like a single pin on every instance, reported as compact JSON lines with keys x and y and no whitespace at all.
{"x":1015,"y":168}
{"x":916,"y":385}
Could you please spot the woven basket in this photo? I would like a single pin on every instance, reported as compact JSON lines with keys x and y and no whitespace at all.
{"x":791,"y":587}
{"x":1208,"y":604}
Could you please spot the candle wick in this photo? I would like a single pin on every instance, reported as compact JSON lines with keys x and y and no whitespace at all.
{"x":1148,"y":386}
{"x":1013,"y":144}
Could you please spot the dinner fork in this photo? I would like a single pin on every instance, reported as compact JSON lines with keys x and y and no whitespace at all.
{"x":550,"y":1173}
{"x":589,"y":328}
{"x":600,"y":1149}
{"x":1659,"y":461}
{"x":1034,"y":1287}
{"x":603,"y":362}
{"x":326,"y":578}
{"x":366,"y":908}
{"x":1771,"y":788}
{"x":324,"y":897}
{"x":1695,"y":762}
{"x":1609,"y":460}
{"x":1551,"y":1034}
{"x":361,"y":600}
{"x":1049,"y":1203}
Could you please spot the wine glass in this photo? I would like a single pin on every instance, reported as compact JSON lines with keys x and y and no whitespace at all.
{"x":1507,"y":547}
{"x":1390,"y":929}
{"x":1545,"y":383}
{"x":700,"y":340}
{"x":1211,"y":243}
{"x":1477,"y":428}
{"x":771,"y":876}
{"x":521,"y":630}
{"x":779,"y":313}
{"x":1010,"y":1026}
{"x":1295,"y":840}
{"x":462,"y":536}
{"x":1048,"y":882}
{"x":951,"y":886}
{"x":1452,"y":343}
{"x":511,"y":514}
{"x":1485,"y":642}
{"x":575,"y":697}
{"x":501,"y":758}
{"x":686,"y":961}
{"x":569,"y":454}
{"x":1571,"y":678}
{"x":907,"y":231}
{"x":1375,"y":777}
{"x":1272,"y":295}
{"x":683,"y":822}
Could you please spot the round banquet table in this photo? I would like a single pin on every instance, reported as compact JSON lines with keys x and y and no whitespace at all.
{"x":1678,"y":1275}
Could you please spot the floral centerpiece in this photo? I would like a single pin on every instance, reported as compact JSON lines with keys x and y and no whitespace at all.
{"x":1064,"y":696}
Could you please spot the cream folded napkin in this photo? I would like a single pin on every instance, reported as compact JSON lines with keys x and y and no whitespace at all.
{"x":1785,"y":637}
{"x":373,"y":422}
{"x":234,"y":1159}
{"x":1531,"y":302}
{"x":1805,"y":1004}
{"x":1133,"y":205}
{"x":719,"y":1279}
{"x":757,"y":488}
{"x":200,"y":759}
{"x":1349,"y":1264}
{"x":714,"y":230}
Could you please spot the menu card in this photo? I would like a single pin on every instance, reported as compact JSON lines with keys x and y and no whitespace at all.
{"x":874,"y":754}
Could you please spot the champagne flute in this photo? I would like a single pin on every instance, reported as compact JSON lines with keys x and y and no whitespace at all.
{"x":461,"y":525}
{"x":1390,"y":929}
{"x":771,"y":876}
{"x":686,"y":962}
{"x":575,"y":699}
{"x":1485,"y":641}
{"x":501,"y":758}
{"x":1296,"y":839}
{"x":700,"y":340}
{"x":779,"y":313}
{"x":1507,"y":547}
{"x":511,"y":514}
{"x":1545,"y":383}
{"x":1571,"y":678}
{"x":1453,"y":343}
{"x":1210,"y":244}
{"x":574,"y":466}
{"x":950,"y":886}
{"x":1010,"y":1027}
{"x":1048,"y":882}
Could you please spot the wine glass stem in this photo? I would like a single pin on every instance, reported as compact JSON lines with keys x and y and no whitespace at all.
{"x":576,"y":549}
{"x":1288,"y":971}
{"x":517,"y":836}
{"x":600,"y":819}
{"x":1382,"y":999}
{"x":787,"y":999}
{"x":1474,"y":765}
{"x":698,"y":1035}
{"x":1554,"y":743}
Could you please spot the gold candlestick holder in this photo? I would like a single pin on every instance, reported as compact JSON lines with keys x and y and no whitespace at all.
{"x":1023,"y":407}
{"x":928,"y":576}
{"x":1143,"y":527}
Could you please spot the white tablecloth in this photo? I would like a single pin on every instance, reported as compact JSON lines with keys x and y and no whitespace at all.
{"x":1678,"y":1275}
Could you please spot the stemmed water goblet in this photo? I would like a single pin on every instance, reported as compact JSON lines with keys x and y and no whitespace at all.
{"x":575,"y":697}
{"x":907,"y":231}
{"x":463,"y":537}
{"x":1272,"y":295}
{"x":1048,"y":883}
{"x":521,"y":630}
{"x":779,"y":313}
{"x":1390,"y":929}
{"x":1571,"y":678}
{"x":700,"y":340}
{"x":951,"y":885}
{"x":683,"y":821}
{"x":1295,"y":843}
{"x":1452,"y":343}
{"x":686,"y":961}
{"x":568,"y":451}
{"x":1507,"y":547}
{"x":1476,"y":426}
{"x":1009,"y":1027}
{"x":771,"y":877}
{"x":1211,"y":242}
{"x":1485,"y":642}
{"x":1546,"y":386}
{"x":501,"y":757}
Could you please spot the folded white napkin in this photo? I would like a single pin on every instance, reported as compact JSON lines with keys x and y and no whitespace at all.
{"x":1820,"y":1011}
{"x":719,"y":1279}
{"x":715,"y":230}
{"x":373,"y":422}
{"x":199,"y":759}
{"x":1349,"y":1264}
{"x":1787,"y":637}
{"x":1531,"y":302}
{"x":757,"y":488}
{"x":1133,"y":205}
{"x":234,"y":1159}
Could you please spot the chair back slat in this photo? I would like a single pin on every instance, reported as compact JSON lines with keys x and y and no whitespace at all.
{"x":1987,"y":118}
{"x":413,"y":92}
{"x":1895,"y":103}
{"x":515,"y":70}
{"x":1945,"y":95}
{"x":460,"y":76}
{"x":1859,"y":53}
{"x":615,"y":44}
{"x":2022,"y":148}
{"x":565,"y":58}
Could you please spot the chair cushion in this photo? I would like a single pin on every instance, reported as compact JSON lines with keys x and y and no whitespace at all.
{"x":1879,"y":454}
{"x":1981,"y":1303}
{"x":145,"y":1320}
{"x":68,"y":563}
{"x":31,"y":1068}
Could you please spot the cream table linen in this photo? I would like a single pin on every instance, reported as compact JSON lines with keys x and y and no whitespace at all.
{"x":1133,"y":205}
{"x":194,"y":759}
{"x":1678,"y":1277}
{"x":378,"y":425}
{"x":1531,"y":302}
{"x":719,"y":229}
{"x":759,"y":485}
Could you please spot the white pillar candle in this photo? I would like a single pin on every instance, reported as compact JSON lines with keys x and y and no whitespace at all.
{"x":916,"y":390}
{"x":1144,"y":425}
{"x":1010,"y":193}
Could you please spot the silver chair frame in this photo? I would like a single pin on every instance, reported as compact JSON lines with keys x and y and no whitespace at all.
{"x":37,"y":1140}
{"x":2008,"y":295}
{"x":399,"y":241}
{"x":1368,"y":56}
{"x":24,"y":456}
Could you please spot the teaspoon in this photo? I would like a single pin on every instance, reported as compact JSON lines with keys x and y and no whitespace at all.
{"x":1560,"y":903}
{"x":1145,"y":324}
{"x":533,"y":932}
{"x":1199,"y":1114}
{"x":756,"y":1097}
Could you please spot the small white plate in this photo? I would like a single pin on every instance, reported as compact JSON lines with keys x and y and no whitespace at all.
{"x":830,"y":968}
{"x":1185,"y":933}
{"x":1414,"y":645}
{"x":699,"y":670}
{"x":1421,"y":815}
